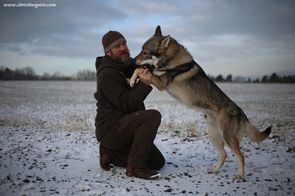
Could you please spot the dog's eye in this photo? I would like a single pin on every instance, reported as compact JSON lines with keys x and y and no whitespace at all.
{"x":154,"y":54}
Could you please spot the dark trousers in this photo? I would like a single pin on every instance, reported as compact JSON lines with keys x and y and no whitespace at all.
{"x":132,"y":137}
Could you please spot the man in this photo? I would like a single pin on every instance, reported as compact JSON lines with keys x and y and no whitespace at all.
{"x":124,"y":128}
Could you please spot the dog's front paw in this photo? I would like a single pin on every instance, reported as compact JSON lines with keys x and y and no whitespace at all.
{"x":133,"y":81}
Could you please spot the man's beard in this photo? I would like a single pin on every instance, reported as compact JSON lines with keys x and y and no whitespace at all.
{"x":123,"y":57}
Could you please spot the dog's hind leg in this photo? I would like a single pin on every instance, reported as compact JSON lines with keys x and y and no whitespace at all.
{"x":217,"y":141}
{"x":233,"y":143}
{"x":230,"y":126}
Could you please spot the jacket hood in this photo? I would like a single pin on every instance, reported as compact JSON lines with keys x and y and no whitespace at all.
{"x":106,"y":61}
{"x":98,"y":61}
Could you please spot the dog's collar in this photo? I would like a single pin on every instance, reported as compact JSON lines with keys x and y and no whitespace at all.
{"x":180,"y":69}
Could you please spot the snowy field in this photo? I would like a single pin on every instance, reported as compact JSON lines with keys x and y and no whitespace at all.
{"x":48,"y":146}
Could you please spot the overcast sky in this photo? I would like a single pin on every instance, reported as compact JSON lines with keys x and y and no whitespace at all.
{"x":242,"y":38}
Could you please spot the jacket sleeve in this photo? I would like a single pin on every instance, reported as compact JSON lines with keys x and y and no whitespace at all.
{"x":120,"y":95}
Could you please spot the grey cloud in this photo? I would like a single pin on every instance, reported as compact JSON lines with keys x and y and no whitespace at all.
{"x":267,"y":19}
{"x":68,"y":17}
{"x":69,"y":29}
{"x":85,"y":46}
{"x":74,"y":28}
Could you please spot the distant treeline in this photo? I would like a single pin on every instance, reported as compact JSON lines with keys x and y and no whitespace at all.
{"x":273,"y":78}
{"x":28,"y":73}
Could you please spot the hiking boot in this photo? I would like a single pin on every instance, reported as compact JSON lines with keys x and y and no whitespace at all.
{"x":104,"y":158}
{"x":143,"y":173}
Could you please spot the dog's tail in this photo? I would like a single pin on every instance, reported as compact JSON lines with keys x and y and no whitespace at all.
{"x":255,"y":135}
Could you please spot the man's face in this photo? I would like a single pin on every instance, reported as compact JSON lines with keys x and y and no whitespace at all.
{"x":120,"y":53}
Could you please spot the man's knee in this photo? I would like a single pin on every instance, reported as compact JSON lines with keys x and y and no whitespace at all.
{"x":149,"y":121}
{"x":154,"y":116}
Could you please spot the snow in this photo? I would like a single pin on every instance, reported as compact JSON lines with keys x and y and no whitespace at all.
{"x":48,"y":146}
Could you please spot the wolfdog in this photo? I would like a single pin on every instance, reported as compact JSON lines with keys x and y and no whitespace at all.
{"x":183,"y":78}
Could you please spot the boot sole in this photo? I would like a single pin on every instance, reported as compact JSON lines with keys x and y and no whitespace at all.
{"x":153,"y":177}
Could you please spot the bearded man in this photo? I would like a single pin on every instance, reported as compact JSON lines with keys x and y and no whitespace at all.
{"x":124,"y":128}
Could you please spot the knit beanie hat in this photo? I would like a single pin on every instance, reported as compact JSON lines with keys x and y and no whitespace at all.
{"x":111,"y":39}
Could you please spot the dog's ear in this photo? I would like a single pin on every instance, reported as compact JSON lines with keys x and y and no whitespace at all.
{"x":158,"y":31}
{"x":165,"y":41}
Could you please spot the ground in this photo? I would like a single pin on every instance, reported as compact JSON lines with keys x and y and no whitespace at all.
{"x":48,"y":146}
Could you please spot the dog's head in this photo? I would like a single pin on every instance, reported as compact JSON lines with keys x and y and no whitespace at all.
{"x":157,"y":50}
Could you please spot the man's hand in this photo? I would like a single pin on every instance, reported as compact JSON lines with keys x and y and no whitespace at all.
{"x":145,"y":76}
